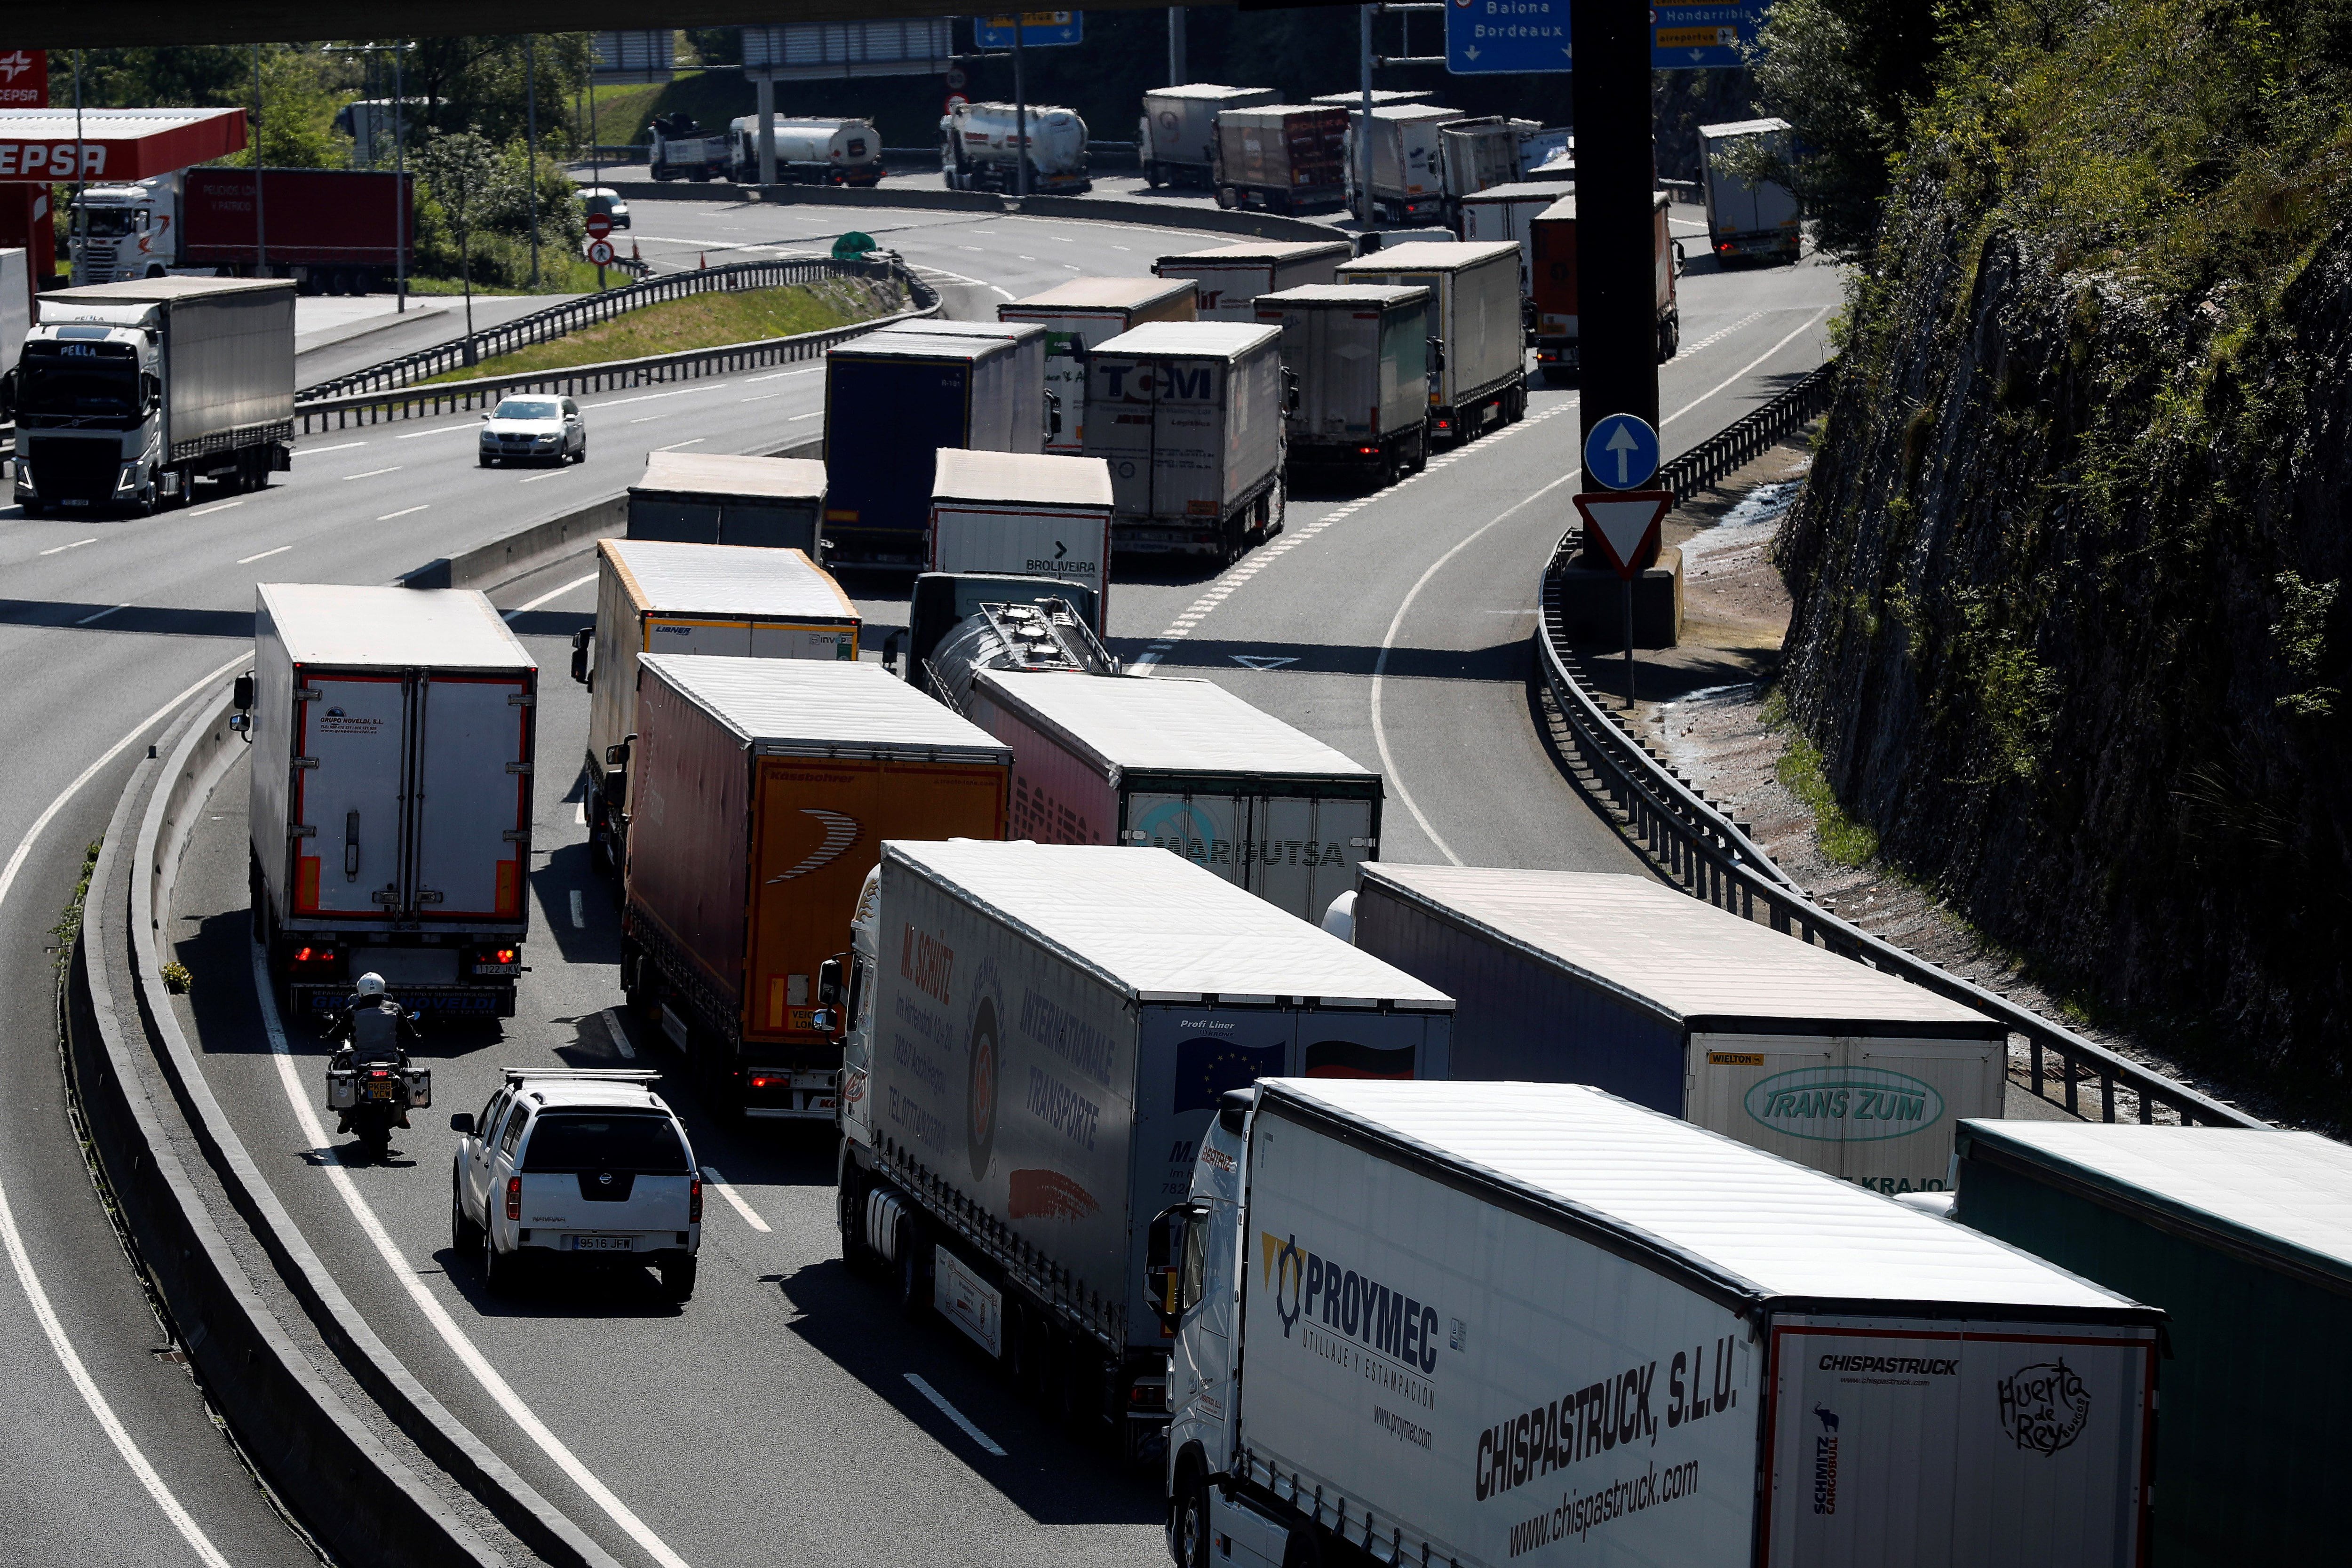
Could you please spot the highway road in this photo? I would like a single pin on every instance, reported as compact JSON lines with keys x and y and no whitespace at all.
{"x":779,"y":1413}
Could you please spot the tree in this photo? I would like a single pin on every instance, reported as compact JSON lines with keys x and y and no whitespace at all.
{"x":461,"y":167}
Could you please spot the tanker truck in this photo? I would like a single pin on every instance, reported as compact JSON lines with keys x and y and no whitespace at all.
{"x":808,"y":152}
{"x":980,"y":149}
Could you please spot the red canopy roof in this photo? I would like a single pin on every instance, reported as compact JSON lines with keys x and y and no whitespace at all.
{"x":37,"y":146}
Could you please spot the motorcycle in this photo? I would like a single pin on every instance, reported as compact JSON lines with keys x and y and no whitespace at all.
{"x":374,"y":1094}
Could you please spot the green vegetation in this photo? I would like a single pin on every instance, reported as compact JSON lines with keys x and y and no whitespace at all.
{"x":1843,"y":839}
{"x":68,"y":931}
{"x":698,"y":322}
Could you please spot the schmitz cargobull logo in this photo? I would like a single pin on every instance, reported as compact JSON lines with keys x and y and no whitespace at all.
{"x":2043,"y":1407}
{"x":1844,"y":1105}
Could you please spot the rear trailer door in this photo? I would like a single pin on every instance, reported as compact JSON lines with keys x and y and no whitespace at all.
{"x":1188,"y":446}
{"x":1877,"y":1112}
{"x":1120,"y":429}
{"x":1297,"y":852}
{"x":1957,"y":1444}
{"x":473,"y":785}
{"x":350,"y":759}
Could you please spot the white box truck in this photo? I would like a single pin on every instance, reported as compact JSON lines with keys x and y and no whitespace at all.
{"x":1282,"y":157}
{"x":1227,"y":279}
{"x":1408,"y":163}
{"x":1189,"y":416}
{"x":1357,"y":355}
{"x":1080,"y":314}
{"x":1187,"y":767}
{"x":1176,"y":140}
{"x":1482,"y":1324}
{"x":1481,"y":375}
{"x":1027,"y":515}
{"x":658,"y":597}
{"x":15,"y":305}
{"x":393,"y":732}
{"x":1506,"y":211}
{"x":1034,"y":415}
{"x":1745,"y":220}
{"x":1623,"y":983}
{"x":1039,"y":1037}
{"x":1473,"y":155}
{"x":891,"y":401}
{"x":718,"y":498}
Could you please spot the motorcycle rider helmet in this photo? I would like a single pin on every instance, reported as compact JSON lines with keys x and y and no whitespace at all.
{"x":370,"y":984}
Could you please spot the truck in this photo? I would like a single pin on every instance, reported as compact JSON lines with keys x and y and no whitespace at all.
{"x":1552,"y":269}
{"x":1382,"y":97}
{"x":980,"y":149}
{"x":678,"y":148}
{"x":657,"y":596}
{"x":1507,"y":211}
{"x":1035,"y":412}
{"x":16,"y":307}
{"x":1408,"y":163}
{"x":1282,"y":157}
{"x":1625,"y":983}
{"x":1040,"y":1036}
{"x":1187,"y":767}
{"x":393,"y":732}
{"x":1480,"y":376}
{"x":950,"y":607}
{"x":1080,"y":314}
{"x":1748,"y":219}
{"x":2239,"y":1235}
{"x":891,"y":401}
{"x":1189,"y":416}
{"x":1475,"y":154}
{"x":1176,"y":140}
{"x":1024,"y":513}
{"x":1358,"y":358}
{"x":772,"y":784}
{"x":770,"y":503}
{"x":811,"y":152}
{"x":333,"y":231}
{"x":1481,"y":1323}
{"x":127,"y":394}
{"x":1227,"y":279}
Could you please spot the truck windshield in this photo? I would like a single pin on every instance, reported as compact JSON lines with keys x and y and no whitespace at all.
{"x":605,"y":1140}
{"x":108,"y":222}
{"x":53,"y":388}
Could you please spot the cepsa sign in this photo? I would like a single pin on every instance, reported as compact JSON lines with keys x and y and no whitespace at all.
{"x":50,"y":160}
{"x":24,"y":79}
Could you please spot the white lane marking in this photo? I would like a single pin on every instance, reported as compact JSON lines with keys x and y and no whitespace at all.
{"x":249,"y":559}
{"x":778,"y":375}
{"x":649,"y":397}
{"x":337,"y":446}
{"x":216,"y":505}
{"x":1802,"y":328}
{"x":579,"y":912}
{"x":579,"y":814}
{"x":647,"y":418}
{"x":77,"y":544}
{"x":371,"y":473}
{"x":759,"y":398}
{"x":102,"y":615}
{"x":719,"y":1184}
{"x":1123,"y":247}
{"x":403,"y":511}
{"x":959,"y":278}
{"x":440,"y":430}
{"x":552,"y":593}
{"x":796,"y":418}
{"x":673,"y":445}
{"x":957,"y":1416}
{"x":428,"y":1305}
{"x":190,"y":1531}
{"x":26,"y":1274}
{"x":550,"y":474}
{"x":619,"y":1035}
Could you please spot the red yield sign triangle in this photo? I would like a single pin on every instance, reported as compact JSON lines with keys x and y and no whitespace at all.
{"x":1625,"y":521}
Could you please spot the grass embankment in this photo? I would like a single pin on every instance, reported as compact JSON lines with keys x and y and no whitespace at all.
{"x":698,"y":322}
{"x":559,"y":272}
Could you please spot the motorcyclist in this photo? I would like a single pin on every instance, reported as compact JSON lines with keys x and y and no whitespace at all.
{"x":370,"y":1030}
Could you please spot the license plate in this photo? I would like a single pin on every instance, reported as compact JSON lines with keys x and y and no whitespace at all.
{"x":600,"y":1244}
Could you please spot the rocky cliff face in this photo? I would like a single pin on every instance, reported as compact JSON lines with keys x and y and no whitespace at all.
{"x":2068,"y":630}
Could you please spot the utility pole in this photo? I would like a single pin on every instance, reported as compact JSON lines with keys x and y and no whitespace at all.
{"x":1175,"y":45}
{"x":399,"y":189}
{"x":1364,"y":125}
{"x":260,"y":219}
{"x":1020,"y":112}
{"x":1616,"y":172}
{"x":78,"y":230}
{"x":530,"y":110}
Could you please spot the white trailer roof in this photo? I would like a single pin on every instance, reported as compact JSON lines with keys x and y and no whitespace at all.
{"x":1431,"y":255}
{"x":1261,"y":252}
{"x":1204,"y":90}
{"x":164,"y":291}
{"x":1742,"y":128}
{"x":1762,"y":1226}
{"x":345,"y":626}
{"x":1100,"y":294}
{"x":2286,"y":1193}
{"x":837,"y":708}
{"x":1566,"y":206}
{"x":1379,"y":95}
{"x":1205,"y":340}
{"x":1410,"y":113}
{"x":1248,"y":114}
{"x":1013,"y":332}
{"x":1021,"y":479}
{"x":724,"y":474}
{"x":1665,"y":952}
{"x":682,"y":579}
{"x":881,"y":344}
{"x":1126,"y":724}
{"x":1382,"y":294}
{"x":1158,"y":927}
{"x":1521,"y":191}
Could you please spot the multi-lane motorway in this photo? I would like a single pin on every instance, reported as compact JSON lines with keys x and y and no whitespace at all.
{"x":781,"y":1414}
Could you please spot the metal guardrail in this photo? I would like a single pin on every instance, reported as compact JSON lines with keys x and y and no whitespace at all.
{"x":1700,"y":849}
{"x":1738,"y":445}
{"x":689,"y":364}
{"x":569,"y":316}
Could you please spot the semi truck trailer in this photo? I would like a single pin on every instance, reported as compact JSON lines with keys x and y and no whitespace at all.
{"x":1749,"y":218}
{"x":980,"y":149}
{"x":772,"y":784}
{"x":1189,"y":416}
{"x":1507,"y":211}
{"x":808,"y":152}
{"x":1482,"y":1324}
{"x":891,"y":401}
{"x":1040,"y":1034}
{"x":1176,"y":140}
{"x":1480,"y":379}
{"x":1408,"y":163}
{"x":1227,"y":279}
{"x":1034,"y":414}
{"x":127,"y":394}
{"x":1473,"y":155}
{"x":1025,"y":514}
{"x":1077,"y":316}
{"x":773,"y":503}
{"x":1282,"y":157}
{"x":1357,"y":356}
{"x":1552,"y":272}
{"x":393,"y":732}
{"x":332,"y":231}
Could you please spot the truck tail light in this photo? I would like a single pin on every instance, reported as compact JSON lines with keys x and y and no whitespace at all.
{"x":694,"y":1200}
{"x":514,"y":1197}
{"x":1146,"y":1396}
{"x":502,"y":955}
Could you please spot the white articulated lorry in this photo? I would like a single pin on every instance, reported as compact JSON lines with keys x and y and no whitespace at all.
{"x":1227,"y":279}
{"x":393,"y":732}
{"x":1480,"y":380}
{"x":1408,"y":163}
{"x":127,"y":394}
{"x":1038,"y":1036}
{"x":1080,"y":314}
{"x":1176,"y":140}
{"x":1746,"y":220}
{"x":1507,"y":211}
{"x":1037,"y":415}
{"x":1358,"y":358}
{"x":980,"y":149}
{"x":808,"y":152}
{"x":1482,"y":1324}
{"x":999,"y":513}
{"x":1189,"y":416}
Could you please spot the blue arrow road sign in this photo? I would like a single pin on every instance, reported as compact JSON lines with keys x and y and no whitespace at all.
{"x":1485,"y":37}
{"x":1704,"y":37}
{"x":1039,"y":29}
{"x":1622,"y":452}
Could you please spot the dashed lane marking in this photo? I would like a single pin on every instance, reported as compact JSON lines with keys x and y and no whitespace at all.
{"x":719,"y":1184}
{"x":957,"y":1416}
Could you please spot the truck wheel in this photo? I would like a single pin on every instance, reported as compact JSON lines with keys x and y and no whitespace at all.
{"x":500,"y":1270}
{"x":1228,"y":198}
{"x":1192,"y":1543}
{"x":677,"y":1278}
{"x":914,"y":1284}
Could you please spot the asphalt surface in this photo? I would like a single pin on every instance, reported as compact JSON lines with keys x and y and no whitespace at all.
{"x":774,"y":1415}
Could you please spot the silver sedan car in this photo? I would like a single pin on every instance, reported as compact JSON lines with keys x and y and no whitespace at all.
{"x":533,"y":429}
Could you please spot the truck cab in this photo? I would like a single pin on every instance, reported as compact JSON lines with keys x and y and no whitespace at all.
{"x":88,"y":396}
{"x":125,"y":232}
